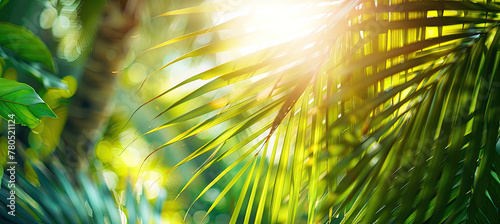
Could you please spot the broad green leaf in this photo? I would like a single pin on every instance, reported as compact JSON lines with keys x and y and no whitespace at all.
{"x":25,"y":44}
{"x":22,"y":101}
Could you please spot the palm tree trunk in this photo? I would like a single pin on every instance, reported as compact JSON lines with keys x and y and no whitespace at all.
{"x":92,"y":104}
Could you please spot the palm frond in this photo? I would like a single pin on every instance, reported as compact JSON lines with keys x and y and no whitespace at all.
{"x":364,"y":111}
{"x":89,"y":200}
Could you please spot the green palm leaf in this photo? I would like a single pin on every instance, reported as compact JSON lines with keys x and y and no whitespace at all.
{"x":384,"y":111}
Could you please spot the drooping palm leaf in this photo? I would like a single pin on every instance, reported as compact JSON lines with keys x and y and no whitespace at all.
{"x":87,"y":200}
{"x":366,"y":111}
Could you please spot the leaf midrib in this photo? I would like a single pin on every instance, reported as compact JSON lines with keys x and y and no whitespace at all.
{"x":22,"y":104}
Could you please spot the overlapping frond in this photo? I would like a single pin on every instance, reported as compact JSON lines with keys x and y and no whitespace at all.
{"x":360,"y":111}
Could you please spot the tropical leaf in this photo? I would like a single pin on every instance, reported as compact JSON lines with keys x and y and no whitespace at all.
{"x":25,"y":44}
{"x":22,"y":101}
{"x":368,"y":111}
{"x":27,"y":52}
{"x":83,"y":199}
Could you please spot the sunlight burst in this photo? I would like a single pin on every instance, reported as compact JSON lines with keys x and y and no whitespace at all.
{"x":274,"y":22}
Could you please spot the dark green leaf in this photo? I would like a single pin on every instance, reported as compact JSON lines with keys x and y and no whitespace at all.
{"x":25,"y":44}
